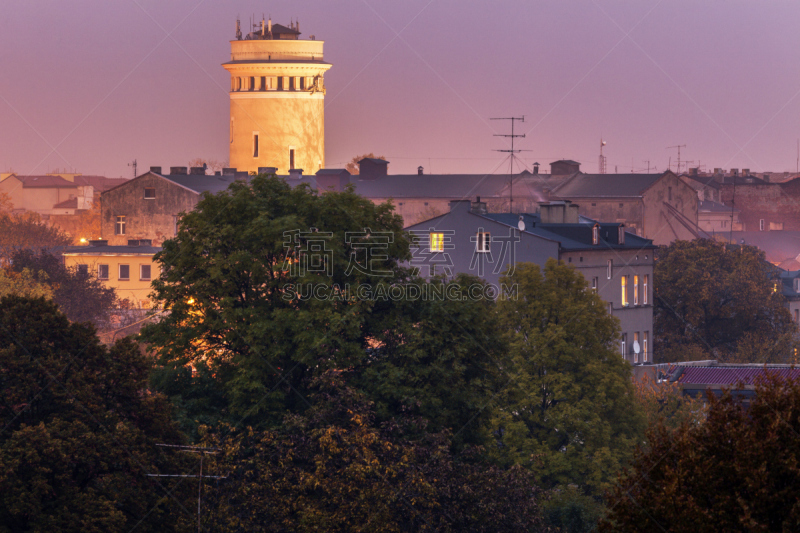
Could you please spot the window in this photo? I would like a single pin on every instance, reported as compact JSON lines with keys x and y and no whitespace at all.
{"x":594,"y":283}
{"x":102,"y":271}
{"x":124,"y":272}
{"x":144,"y":272}
{"x":623,"y":283}
{"x":569,"y":260}
{"x":644,"y":288}
{"x":252,"y":83}
{"x":635,"y":346}
{"x":621,"y":235}
{"x":437,"y":242}
{"x":761,"y":225}
{"x":797,"y":315}
{"x":302,"y":83}
{"x":83,"y":270}
{"x":635,"y":290}
{"x":292,"y":83}
{"x":596,"y":234}
{"x":255,"y":145}
{"x":263,"y":83}
{"x":608,"y":273}
{"x":624,"y":343}
{"x":483,"y":242}
{"x":669,"y":193}
{"x":291,"y":159}
{"x":119,"y":227}
{"x":645,"y":355}
{"x":796,"y":284}
{"x":149,"y":193}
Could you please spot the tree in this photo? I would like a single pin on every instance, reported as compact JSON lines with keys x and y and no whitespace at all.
{"x":352,"y":166}
{"x":79,"y":429}
{"x":332,"y":469}
{"x":244,"y":338}
{"x":737,"y":471}
{"x":26,"y":231}
{"x":710,"y":297}
{"x":24,"y":283}
{"x":79,"y":295}
{"x":568,"y":409}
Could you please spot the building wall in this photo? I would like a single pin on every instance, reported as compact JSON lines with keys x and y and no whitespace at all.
{"x":777,"y":204}
{"x":717,"y":222}
{"x":38,"y":199}
{"x":659,"y":224}
{"x":135,"y":290}
{"x":629,"y":211}
{"x":144,"y":218}
{"x":416,"y":210}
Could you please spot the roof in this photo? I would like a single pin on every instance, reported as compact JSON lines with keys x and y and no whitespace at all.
{"x":331,"y":172}
{"x":374,"y":160}
{"x":450,"y":186}
{"x":201,"y":183}
{"x":72,"y":203}
{"x":566,"y":161}
{"x":744,"y":180}
{"x":710,"y":206}
{"x":573,"y":236}
{"x":699,"y":182}
{"x":606,"y":185}
{"x":732,"y":375}
{"x":100,"y":183}
{"x":108,"y":250}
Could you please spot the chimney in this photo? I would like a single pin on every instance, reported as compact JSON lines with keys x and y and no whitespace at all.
{"x":198,"y":171}
{"x":267,"y":170}
{"x":745,"y":172}
{"x":693,"y":171}
{"x":561,"y":212}
{"x":717,"y":171}
{"x":536,"y":168}
{"x":296,"y":173}
{"x":181,"y":171}
{"x":734,"y":172}
{"x":228,"y":170}
{"x":155,"y":170}
{"x":478,"y":207}
{"x":419,"y":171}
{"x":370,"y":168}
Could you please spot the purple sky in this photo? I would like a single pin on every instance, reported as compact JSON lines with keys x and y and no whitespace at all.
{"x":92,"y":85}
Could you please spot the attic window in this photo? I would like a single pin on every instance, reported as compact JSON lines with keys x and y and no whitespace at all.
{"x":596,"y":234}
{"x":149,"y":193}
{"x":621,"y":238}
{"x":437,"y":242}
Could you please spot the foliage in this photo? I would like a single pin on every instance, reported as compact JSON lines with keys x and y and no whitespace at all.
{"x":79,"y":295}
{"x":710,"y":297}
{"x":6,"y":204}
{"x":331,"y":469}
{"x":665,"y":401}
{"x":78,"y":428}
{"x":214,"y":165}
{"x":737,"y":471}
{"x":352,"y":166}
{"x":88,"y":223}
{"x":24,"y":283}
{"x":26,"y":231}
{"x":569,"y":511}
{"x":568,"y":409}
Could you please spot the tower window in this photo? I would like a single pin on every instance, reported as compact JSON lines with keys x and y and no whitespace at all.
{"x":302,"y":83}
{"x":263,"y":83}
{"x":291,"y":159}
{"x":255,"y":145}
{"x":280,"y":83}
{"x":292,"y":83}
{"x":252,"y":83}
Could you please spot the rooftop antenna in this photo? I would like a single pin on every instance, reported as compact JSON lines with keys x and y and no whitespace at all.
{"x":238,"y":29}
{"x":511,"y":159}
{"x":602,"y":162}
{"x":263,"y":28}
{"x":648,"y":165}
{"x":678,"y":146}
{"x":133,"y":164}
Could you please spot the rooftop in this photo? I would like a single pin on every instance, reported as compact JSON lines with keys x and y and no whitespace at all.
{"x":605,"y":185}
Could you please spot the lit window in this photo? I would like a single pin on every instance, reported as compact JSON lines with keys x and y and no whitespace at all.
{"x":119,"y":227}
{"x":483,"y":242}
{"x":624,"y":286}
{"x":644,"y":347}
{"x":437,"y":242}
{"x":635,"y":343}
{"x":596,"y":234}
{"x":102,"y":271}
{"x":144,"y":272}
{"x":644,"y":288}
{"x":124,"y":272}
{"x":608,"y":272}
{"x":149,"y":193}
{"x":635,"y":290}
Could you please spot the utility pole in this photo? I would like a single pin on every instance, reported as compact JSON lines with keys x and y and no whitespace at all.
{"x":511,"y":153}
{"x":192,"y":449}
{"x":678,"y":146}
{"x":133,"y":164}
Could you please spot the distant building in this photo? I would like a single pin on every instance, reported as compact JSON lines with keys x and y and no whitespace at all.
{"x":129,"y":268}
{"x":764,"y":206}
{"x":713,"y":218}
{"x":617,"y":264}
{"x":55,"y":194}
{"x":790,"y":288}
{"x":277,"y":99}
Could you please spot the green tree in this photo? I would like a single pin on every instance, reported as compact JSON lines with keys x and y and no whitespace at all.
{"x":568,"y":410}
{"x":710,"y":297}
{"x":737,"y":471}
{"x":79,"y":429}
{"x":332,"y":469}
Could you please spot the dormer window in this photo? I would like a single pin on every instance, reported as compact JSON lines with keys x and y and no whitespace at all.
{"x":621,"y":236}
{"x":796,"y":284}
{"x":596,"y":234}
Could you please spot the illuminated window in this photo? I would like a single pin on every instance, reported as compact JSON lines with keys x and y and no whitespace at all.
{"x":124,"y":272}
{"x":149,"y":193}
{"x":623,"y":280}
{"x":635,"y":342}
{"x":483,"y":242}
{"x":635,"y":290}
{"x":102,"y":271}
{"x":645,"y":354}
{"x":644,"y":288}
{"x":608,"y":272}
{"x":596,"y":234}
{"x":119,"y":226}
{"x":437,"y":242}
{"x":144,"y":272}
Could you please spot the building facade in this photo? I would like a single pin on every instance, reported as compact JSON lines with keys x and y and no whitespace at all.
{"x":617,"y":264}
{"x":277,"y":100}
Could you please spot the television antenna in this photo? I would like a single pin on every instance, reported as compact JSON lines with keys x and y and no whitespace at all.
{"x":133,"y":164}
{"x":512,"y":151}
{"x":678,"y":146}
{"x":601,"y":167}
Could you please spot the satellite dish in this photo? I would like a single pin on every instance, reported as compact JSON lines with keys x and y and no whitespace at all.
{"x":521,"y":224}
{"x":636,"y":348}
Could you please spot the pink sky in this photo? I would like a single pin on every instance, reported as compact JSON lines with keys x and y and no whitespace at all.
{"x":91,"y":85}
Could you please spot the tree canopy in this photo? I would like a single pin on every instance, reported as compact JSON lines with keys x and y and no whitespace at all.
{"x":711,"y":297}
{"x":736,"y":471}
{"x":27,"y":231}
{"x":567,"y":410}
{"x":79,"y":429}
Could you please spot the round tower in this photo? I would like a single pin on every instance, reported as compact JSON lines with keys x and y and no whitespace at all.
{"x":277,"y":99}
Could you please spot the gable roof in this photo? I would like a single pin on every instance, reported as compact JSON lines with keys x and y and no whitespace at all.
{"x":446,"y":186}
{"x":606,"y":185}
